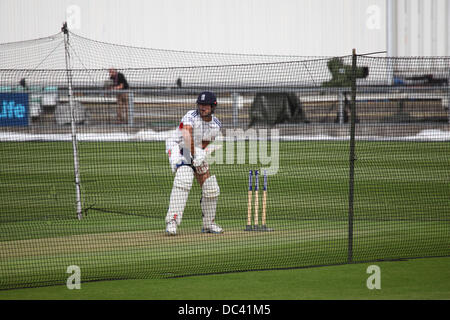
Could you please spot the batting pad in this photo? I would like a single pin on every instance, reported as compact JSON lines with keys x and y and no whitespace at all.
{"x":180,"y":192}
{"x":210,"y":194}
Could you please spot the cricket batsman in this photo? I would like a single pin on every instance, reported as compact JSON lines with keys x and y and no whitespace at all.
{"x":187,"y":157}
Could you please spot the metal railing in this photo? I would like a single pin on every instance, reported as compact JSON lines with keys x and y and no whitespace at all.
{"x":234,"y":98}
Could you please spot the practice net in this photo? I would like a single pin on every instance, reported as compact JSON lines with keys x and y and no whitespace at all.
{"x":287,"y":117}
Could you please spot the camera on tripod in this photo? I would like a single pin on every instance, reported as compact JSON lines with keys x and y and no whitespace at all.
{"x":341,"y":73}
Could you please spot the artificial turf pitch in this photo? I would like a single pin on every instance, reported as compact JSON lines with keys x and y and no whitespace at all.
{"x":401,"y":210}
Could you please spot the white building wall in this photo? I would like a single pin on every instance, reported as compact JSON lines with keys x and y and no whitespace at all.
{"x":288,"y":27}
{"x":422,"y":27}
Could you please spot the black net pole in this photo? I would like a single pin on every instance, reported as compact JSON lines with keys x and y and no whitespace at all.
{"x":72,"y":122}
{"x":352,"y":157}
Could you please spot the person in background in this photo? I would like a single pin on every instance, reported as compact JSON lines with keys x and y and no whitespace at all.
{"x":119,"y":82}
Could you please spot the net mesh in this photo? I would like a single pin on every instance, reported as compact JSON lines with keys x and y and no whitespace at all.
{"x":286,"y":116}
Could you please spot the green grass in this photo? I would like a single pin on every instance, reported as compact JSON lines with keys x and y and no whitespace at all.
{"x":401,"y":210}
{"x":419,"y":279}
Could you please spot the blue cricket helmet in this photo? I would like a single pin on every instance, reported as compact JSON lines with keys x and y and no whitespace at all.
{"x":207,"y":98}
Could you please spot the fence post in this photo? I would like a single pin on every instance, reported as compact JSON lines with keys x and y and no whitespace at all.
{"x":352,"y":158}
{"x":79,"y":205}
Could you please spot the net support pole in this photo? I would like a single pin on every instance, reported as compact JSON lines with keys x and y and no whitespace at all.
{"x":72,"y":122}
{"x":352,"y":158}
